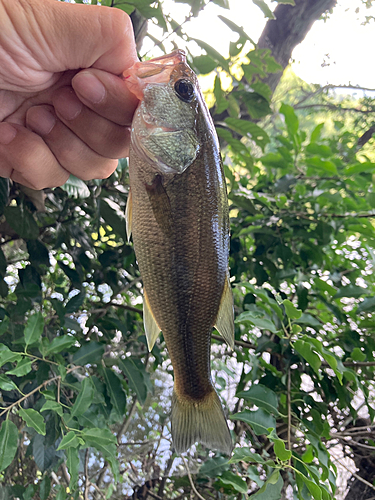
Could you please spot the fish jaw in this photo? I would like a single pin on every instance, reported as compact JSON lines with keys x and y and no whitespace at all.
{"x":158,"y":70}
{"x":164,"y":125}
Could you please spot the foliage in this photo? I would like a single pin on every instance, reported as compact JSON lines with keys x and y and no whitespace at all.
{"x":85,"y":406}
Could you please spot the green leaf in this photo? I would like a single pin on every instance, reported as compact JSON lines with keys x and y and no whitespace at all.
{"x":307,"y":319}
{"x":90,"y":352}
{"x":70,"y":440}
{"x":308,"y":456}
{"x":38,"y":253}
{"x":314,"y":489}
{"x":22,"y":221}
{"x":291,"y":119}
{"x":357,"y":354}
{"x":214,"y":54}
{"x":244,"y":454}
{"x":261,"y":396}
{"x":214,"y":466}
{"x":260,"y":322}
{"x":33,"y":419}
{"x":319,"y":149}
{"x":264,"y":8}
{"x":33,"y":329}
{"x":271,"y":489}
{"x":6,"y":384}
{"x":52,"y":406}
{"x":8,"y":356}
{"x":291,"y":311}
{"x":280,"y":451}
{"x":72,"y":463}
{"x":76,"y":188}
{"x":75,"y":302}
{"x":23,"y":367}
{"x":231,"y":25}
{"x":134,"y":373}
{"x":204,"y":64}
{"x":45,"y":488}
{"x":260,"y":421}
{"x":351,"y":291}
{"x":114,"y":216}
{"x":305,"y":350}
{"x":222,"y":3}
{"x":84,"y":398}
{"x":115,"y":391}
{"x":360,"y":168}
{"x":101,"y":439}
{"x":59,"y":344}
{"x":8,"y":443}
{"x":235,"y":481}
{"x":325,"y":287}
{"x":325,"y":165}
{"x":249,"y":129}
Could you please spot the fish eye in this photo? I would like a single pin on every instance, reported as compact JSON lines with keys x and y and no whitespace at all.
{"x":185,"y":90}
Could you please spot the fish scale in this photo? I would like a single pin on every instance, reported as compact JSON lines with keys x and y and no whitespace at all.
{"x":180,"y":226}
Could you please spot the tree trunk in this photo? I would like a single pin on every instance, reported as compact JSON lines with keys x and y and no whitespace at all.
{"x":283,"y":34}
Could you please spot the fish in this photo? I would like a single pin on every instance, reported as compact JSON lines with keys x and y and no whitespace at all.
{"x":177,"y":213}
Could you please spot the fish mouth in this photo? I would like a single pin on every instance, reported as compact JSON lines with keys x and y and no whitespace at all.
{"x":155,"y":71}
{"x":160,"y":64}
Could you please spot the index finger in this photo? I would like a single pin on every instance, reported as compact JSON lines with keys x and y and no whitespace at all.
{"x":106,"y":94}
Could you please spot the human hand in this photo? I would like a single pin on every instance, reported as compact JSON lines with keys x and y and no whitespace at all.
{"x":57,"y":118}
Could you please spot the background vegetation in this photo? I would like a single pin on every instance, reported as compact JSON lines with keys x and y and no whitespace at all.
{"x":85,"y":407}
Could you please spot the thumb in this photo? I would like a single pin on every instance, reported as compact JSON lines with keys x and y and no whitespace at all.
{"x":91,"y":36}
{"x":50,"y":36}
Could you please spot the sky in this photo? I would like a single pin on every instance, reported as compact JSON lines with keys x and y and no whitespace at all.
{"x":338,"y":51}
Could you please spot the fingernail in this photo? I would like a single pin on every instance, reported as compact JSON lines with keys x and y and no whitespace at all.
{"x":7,"y":133}
{"x":89,"y":87}
{"x":40,"y":120}
{"x":67,"y":104}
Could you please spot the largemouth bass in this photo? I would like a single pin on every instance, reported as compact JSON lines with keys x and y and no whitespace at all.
{"x":178,"y":214}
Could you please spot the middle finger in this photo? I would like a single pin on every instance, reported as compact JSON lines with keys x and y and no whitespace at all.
{"x":103,"y":136}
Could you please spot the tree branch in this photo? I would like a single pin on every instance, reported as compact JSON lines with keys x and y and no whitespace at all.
{"x":44,"y":384}
{"x":191,"y":479}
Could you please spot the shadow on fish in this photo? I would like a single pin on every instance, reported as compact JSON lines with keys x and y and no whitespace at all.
{"x":177,"y":212}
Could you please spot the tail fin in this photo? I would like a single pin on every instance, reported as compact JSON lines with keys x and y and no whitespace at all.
{"x":202,"y":421}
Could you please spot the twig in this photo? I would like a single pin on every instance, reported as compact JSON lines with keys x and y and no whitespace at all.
{"x":187,"y":18}
{"x":44,"y":384}
{"x":335,"y":108}
{"x":87,"y":480}
{"x":191,"y":479}
{"x":65,"y":474}
{"x":125,"y":425}
{"x":153,"y":495}
{"x":354,"y":474}
{"x":121,"y":431}
{"x":241,"y":343}
{"x":165,"y":475}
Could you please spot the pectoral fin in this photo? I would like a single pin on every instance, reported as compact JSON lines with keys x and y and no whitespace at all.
{"x":129,"y":215}
{"x":151,"y":327}
{"x":225,"y":317}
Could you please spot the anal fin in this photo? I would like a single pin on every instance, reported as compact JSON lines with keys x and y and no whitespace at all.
{"x":225,"y":317}
{"x":152,"y":329}
{"x":129,"y":215}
